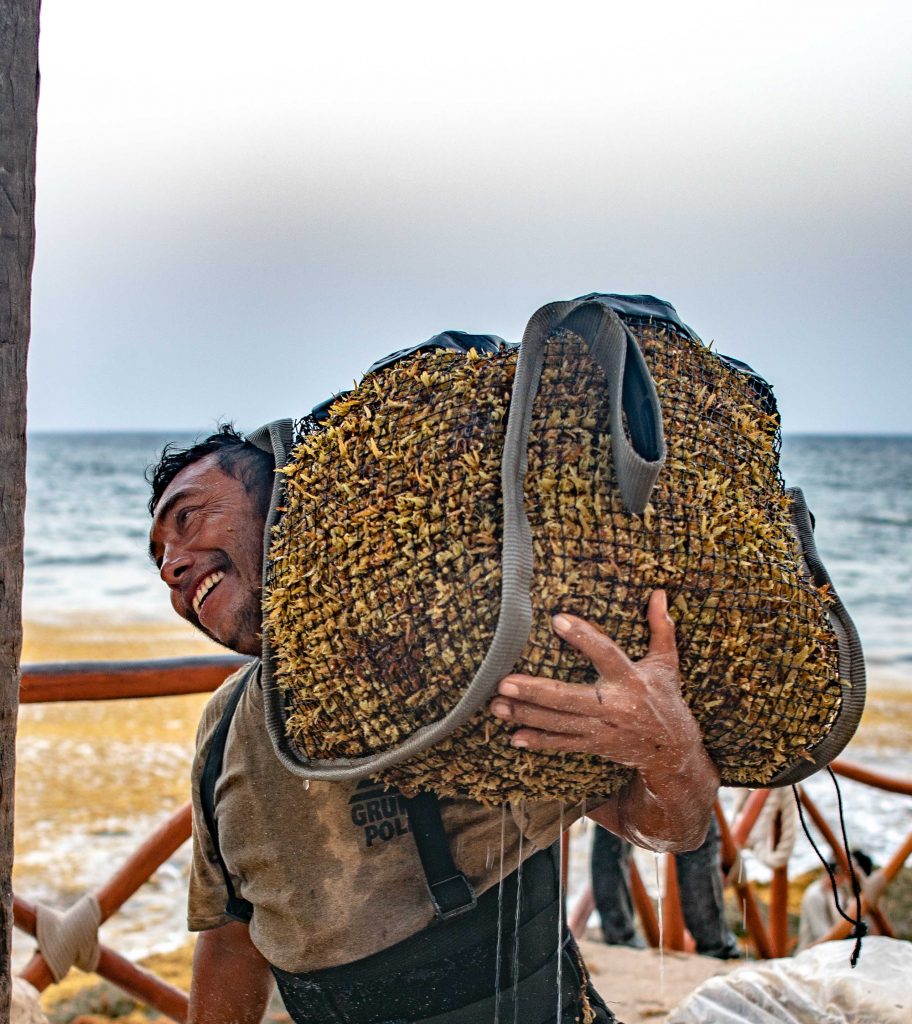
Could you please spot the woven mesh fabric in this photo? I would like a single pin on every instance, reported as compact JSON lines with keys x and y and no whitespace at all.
{"x":383,"y":593}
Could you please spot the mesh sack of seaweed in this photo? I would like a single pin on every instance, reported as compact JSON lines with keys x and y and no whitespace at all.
{"x":418,"y":560}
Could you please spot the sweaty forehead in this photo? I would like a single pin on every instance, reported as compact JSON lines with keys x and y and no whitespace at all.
{"x":202,"y":476}
{"x":201,"y":480}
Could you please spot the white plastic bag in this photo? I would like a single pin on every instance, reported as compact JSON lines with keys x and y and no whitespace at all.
{"x":816,"y":987}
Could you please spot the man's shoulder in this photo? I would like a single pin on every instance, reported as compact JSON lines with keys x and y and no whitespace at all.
{"x":246,"y":676}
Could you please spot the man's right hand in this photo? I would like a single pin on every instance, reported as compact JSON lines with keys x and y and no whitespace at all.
{"x":231,"y":981}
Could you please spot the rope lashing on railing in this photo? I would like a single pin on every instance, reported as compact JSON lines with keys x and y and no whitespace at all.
{"x":69,"y":938}
{"x":770,"y":846}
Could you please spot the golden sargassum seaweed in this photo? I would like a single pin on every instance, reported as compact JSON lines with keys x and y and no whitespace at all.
{"x":385,"y":571}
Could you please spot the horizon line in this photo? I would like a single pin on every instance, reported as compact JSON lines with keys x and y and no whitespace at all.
{"x":51,"y":431}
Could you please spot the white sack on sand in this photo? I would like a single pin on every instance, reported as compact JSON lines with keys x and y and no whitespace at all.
{"x":818,"y":985}
{"x":25,"y":1008}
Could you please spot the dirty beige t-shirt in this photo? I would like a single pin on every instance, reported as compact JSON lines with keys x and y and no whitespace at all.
{"x":331,"y":869}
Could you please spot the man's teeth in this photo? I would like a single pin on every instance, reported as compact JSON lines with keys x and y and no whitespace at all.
{"x":202,"y":591}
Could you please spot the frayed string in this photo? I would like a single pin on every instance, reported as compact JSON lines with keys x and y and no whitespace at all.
{"x":859,"y":928}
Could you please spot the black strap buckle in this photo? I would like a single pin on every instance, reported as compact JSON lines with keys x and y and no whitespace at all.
{"x":239,"y":909}
{"x":452,"y":896}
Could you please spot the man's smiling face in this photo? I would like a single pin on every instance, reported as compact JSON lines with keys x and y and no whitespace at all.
{"x":207,"y":541}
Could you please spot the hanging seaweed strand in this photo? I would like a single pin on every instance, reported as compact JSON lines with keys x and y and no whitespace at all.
{"x":503,"y":824}
{"x":519,"y":858}
{"x":560,"y":909}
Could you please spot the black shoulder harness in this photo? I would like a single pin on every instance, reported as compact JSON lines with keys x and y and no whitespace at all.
{"x":448,"y":888}
{"x":239,"y":909}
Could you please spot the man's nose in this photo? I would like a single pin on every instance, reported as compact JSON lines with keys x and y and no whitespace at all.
{"x":174,"y":565}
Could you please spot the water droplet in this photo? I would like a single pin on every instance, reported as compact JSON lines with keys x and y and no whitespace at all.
{"x":661,"y":926}
{"x":503,"y":822}
{"x":306,"y":783}
{"x":519,"y":857}
{"x":560,"y":910}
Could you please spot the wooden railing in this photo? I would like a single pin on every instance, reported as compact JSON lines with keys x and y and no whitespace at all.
{"x":176,"y":676}
{"x":769,"y":936}
{"x":118,"y":680}
{"x":115,"y":681}
{"x":137,"y":870}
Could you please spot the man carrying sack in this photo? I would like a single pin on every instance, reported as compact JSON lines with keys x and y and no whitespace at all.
{"x":366,"y":907}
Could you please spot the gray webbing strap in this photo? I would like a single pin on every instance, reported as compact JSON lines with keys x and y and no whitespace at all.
{"x":851,"y":656}
{"x":637,"y":460}
{"x":639,"y":457}
{"x":510,"y":635}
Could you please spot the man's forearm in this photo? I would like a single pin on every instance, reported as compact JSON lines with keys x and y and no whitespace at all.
{"x":666,"y":809}
{"x":231,"y":980}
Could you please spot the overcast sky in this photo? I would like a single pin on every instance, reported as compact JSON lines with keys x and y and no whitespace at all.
{"x":241,"y":206}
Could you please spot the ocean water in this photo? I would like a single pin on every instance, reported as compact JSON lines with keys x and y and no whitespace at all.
{"x":86,"y":531}
{"x":87,"y":527}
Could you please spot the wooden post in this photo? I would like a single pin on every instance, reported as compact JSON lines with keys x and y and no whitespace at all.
{"x":752,"y":918}
{"x":778,"y":908}
{"x":778,"y":911}
{"x":644,"y":908}
{"x":672,"y":917}
{"x":18,"y":118}
{"x":750,"y":812}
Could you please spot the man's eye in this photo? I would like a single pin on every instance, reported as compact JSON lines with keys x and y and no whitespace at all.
{"x":184,"y":516}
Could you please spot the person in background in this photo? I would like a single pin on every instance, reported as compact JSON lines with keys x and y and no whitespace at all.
{"x":819,"y":913}
{"x":699,"y":883}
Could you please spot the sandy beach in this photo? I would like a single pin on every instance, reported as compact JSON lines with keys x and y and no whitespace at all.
{"x":93,"y":777}
{"x":94,"y":763}
{"x":76,"y":637}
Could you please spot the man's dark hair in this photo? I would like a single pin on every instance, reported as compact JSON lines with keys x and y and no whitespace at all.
{"x":234,"y":454}
{"x":863,"y":861}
